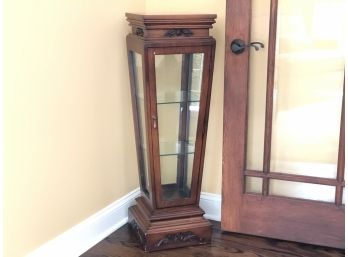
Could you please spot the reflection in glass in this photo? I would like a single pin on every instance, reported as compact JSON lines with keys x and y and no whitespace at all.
{"x":308,"y":87}
{"x":178,"y":89}
{"x":302,"y":190}
{"x":139,"y":91}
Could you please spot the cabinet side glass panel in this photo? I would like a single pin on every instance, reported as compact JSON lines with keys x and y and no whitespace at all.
{"x":178,"y":89}
{"x":140,"y":104}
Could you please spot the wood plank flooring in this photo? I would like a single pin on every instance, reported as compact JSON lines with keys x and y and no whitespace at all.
{"x":123,"y":243}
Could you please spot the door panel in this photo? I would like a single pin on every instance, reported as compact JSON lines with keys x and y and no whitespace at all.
{"x":283,"y":153}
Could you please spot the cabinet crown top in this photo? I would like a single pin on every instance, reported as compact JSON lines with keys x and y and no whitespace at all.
{"x":171,"y":26}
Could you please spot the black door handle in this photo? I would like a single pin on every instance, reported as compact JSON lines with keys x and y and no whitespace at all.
{"x":238,"y":46}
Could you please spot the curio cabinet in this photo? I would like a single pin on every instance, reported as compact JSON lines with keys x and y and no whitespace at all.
{"x":171,"y":61}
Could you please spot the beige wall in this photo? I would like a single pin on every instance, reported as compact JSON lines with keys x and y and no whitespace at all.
{"x":213,"y":159}
{"x":69,"y":141}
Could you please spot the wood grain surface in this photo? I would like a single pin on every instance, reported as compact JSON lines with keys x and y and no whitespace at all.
{"x":123,"y":243}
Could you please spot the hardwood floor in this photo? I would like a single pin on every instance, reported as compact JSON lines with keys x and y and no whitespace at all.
{"x":123,"y":243}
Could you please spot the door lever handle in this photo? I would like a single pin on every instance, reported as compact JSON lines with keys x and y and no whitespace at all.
{"x":238,"y":46}
{"x":256,"y":45}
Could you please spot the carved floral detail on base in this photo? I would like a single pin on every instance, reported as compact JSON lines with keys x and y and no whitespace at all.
{"x":182,"y":237}
{"x":168,"y":241}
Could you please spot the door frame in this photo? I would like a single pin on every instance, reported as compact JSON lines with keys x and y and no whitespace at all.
{"x":261,"y":214}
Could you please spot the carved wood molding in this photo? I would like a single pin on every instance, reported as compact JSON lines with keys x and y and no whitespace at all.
{"x":140,"y":234}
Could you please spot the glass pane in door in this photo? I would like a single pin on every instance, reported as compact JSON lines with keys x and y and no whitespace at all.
{"x":178,"y":89}
{"x":301,"y":190}
{"x":308,"y":87}
{"x":253,"y":185}
{"x":307,"y":95}
{"x":257,"y":85}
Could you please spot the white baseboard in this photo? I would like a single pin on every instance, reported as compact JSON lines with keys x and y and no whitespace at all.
{"x":81,"y":237}
{"x":211,"y":204}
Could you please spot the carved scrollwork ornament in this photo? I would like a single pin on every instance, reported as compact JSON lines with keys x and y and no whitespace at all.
{"x":139,"y":32}
{"x":178,"y":33}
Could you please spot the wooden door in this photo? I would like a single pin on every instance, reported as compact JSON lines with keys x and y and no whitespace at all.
{"x":283,"y":142}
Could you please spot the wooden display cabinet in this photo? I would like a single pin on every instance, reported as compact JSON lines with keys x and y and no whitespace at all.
{"x":171,"y":61}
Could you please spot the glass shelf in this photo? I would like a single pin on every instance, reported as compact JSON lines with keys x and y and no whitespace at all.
{"x":178,"y":97}
{"x":175,"y":97}
{"x":176,"y":148}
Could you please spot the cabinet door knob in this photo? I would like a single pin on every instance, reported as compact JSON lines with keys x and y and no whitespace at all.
{"x":238,"y":46}
{"x":154,"y":121}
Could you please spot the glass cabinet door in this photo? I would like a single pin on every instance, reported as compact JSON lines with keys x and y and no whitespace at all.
{"x":178,"y":92}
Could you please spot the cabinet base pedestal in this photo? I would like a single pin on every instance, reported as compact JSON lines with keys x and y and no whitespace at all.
{"x":170,"y":228}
